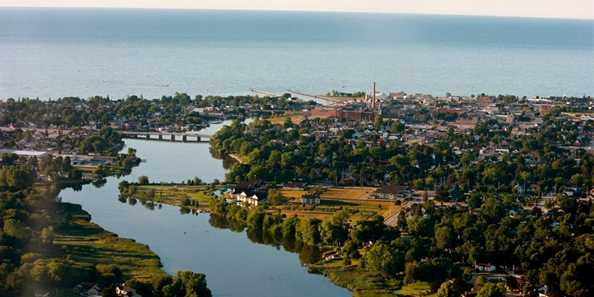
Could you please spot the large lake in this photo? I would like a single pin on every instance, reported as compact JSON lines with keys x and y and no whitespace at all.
{"x":234,"y":265}
{"x":85,"y":52}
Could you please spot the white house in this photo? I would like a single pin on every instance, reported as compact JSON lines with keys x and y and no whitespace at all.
{"x":245,"y":199}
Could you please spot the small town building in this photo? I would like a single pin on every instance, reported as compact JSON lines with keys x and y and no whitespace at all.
{"x":310,"y":199}
{"x":244,"y":198}
{"x":485,"y":267}
{"x":248,"y":194}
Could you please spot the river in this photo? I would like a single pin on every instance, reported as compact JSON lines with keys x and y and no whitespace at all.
{"x":234,"y":265}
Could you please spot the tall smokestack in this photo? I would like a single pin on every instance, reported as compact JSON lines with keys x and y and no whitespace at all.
{"x":373,"y":106}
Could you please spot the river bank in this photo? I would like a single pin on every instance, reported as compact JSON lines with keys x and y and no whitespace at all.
{"x":103,"y":259}
{"x":181,"y":182}
{"x":57,"y":251}
{"x":87,"y":245}
{"x":190,"y":242}
{"x":327,"y":260}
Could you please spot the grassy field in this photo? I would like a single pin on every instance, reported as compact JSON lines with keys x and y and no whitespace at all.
{"x":415,"y":289}
{"x":367,"y":284}
{"x":332,"y":200}
{"x":174,"y":194}
{"x":348,"y":193}
{"x":87,"y":244}
{"x":338,"y":198}
{"x":292,"y":193}
{"x":359,"y":281}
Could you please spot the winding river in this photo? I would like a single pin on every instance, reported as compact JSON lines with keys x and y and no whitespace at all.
{"x":234,"y":265}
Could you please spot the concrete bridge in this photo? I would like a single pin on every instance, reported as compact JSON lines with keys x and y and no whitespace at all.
{"x":166,"y":136}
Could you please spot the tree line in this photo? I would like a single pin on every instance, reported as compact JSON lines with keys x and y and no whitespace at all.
{"x":30,"y":261}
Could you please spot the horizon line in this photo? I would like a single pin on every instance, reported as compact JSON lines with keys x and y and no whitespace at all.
{"x":298,"y":10}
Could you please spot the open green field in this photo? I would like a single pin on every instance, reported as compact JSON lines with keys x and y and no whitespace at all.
{"x":367,"y":284}
{"x":361,"y":282}
{"x":178,"y":195}
{"x":86,"y":244}
{"x":415,"y":289}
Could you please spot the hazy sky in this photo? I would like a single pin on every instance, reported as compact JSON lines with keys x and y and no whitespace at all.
{"x":583,"y":9}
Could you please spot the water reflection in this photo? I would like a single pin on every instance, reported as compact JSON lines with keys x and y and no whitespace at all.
{"x":258,"y":265}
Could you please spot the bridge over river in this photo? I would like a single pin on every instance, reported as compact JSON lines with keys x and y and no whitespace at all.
{"x":167,"y":136}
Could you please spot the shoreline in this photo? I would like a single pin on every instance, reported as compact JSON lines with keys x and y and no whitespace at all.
{"x":138,"y":261}
{"x":353,"y":277}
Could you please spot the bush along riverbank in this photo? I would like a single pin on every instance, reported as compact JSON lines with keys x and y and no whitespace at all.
{"x":334,"y":247}
{"x":192,"y":195}
{"x":50,"y":247}
{"x":421,"y":255}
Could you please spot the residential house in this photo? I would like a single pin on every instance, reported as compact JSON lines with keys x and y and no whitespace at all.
{"x":310,"y":199}
{"x":249,"y":194}
{"x":485,"y":267}
{"x":253,"y":199}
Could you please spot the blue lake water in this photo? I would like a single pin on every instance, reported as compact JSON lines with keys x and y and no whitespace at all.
{"x":72,"y":52}
{"x":84,"y":52}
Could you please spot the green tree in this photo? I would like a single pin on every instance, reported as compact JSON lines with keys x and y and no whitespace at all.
{"x":187,"y":284}
{"x":491,"y":290}
{"x":309,"y":231}
{"x":275,"y":197}
{"x":575,"y":280}
{"x":57,"y":271}
{"x":335,"y":230}
{"x":381,"y":258}
{"x":47,"y":235}
{"x":17,"y":229}
{"x":444,"y":237}
{"x":143,"y":180}
{"x":449,"y":289}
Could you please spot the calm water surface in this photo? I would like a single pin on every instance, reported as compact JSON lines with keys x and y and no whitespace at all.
{"x":234,"y":265}
{"x":86,"y":52}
